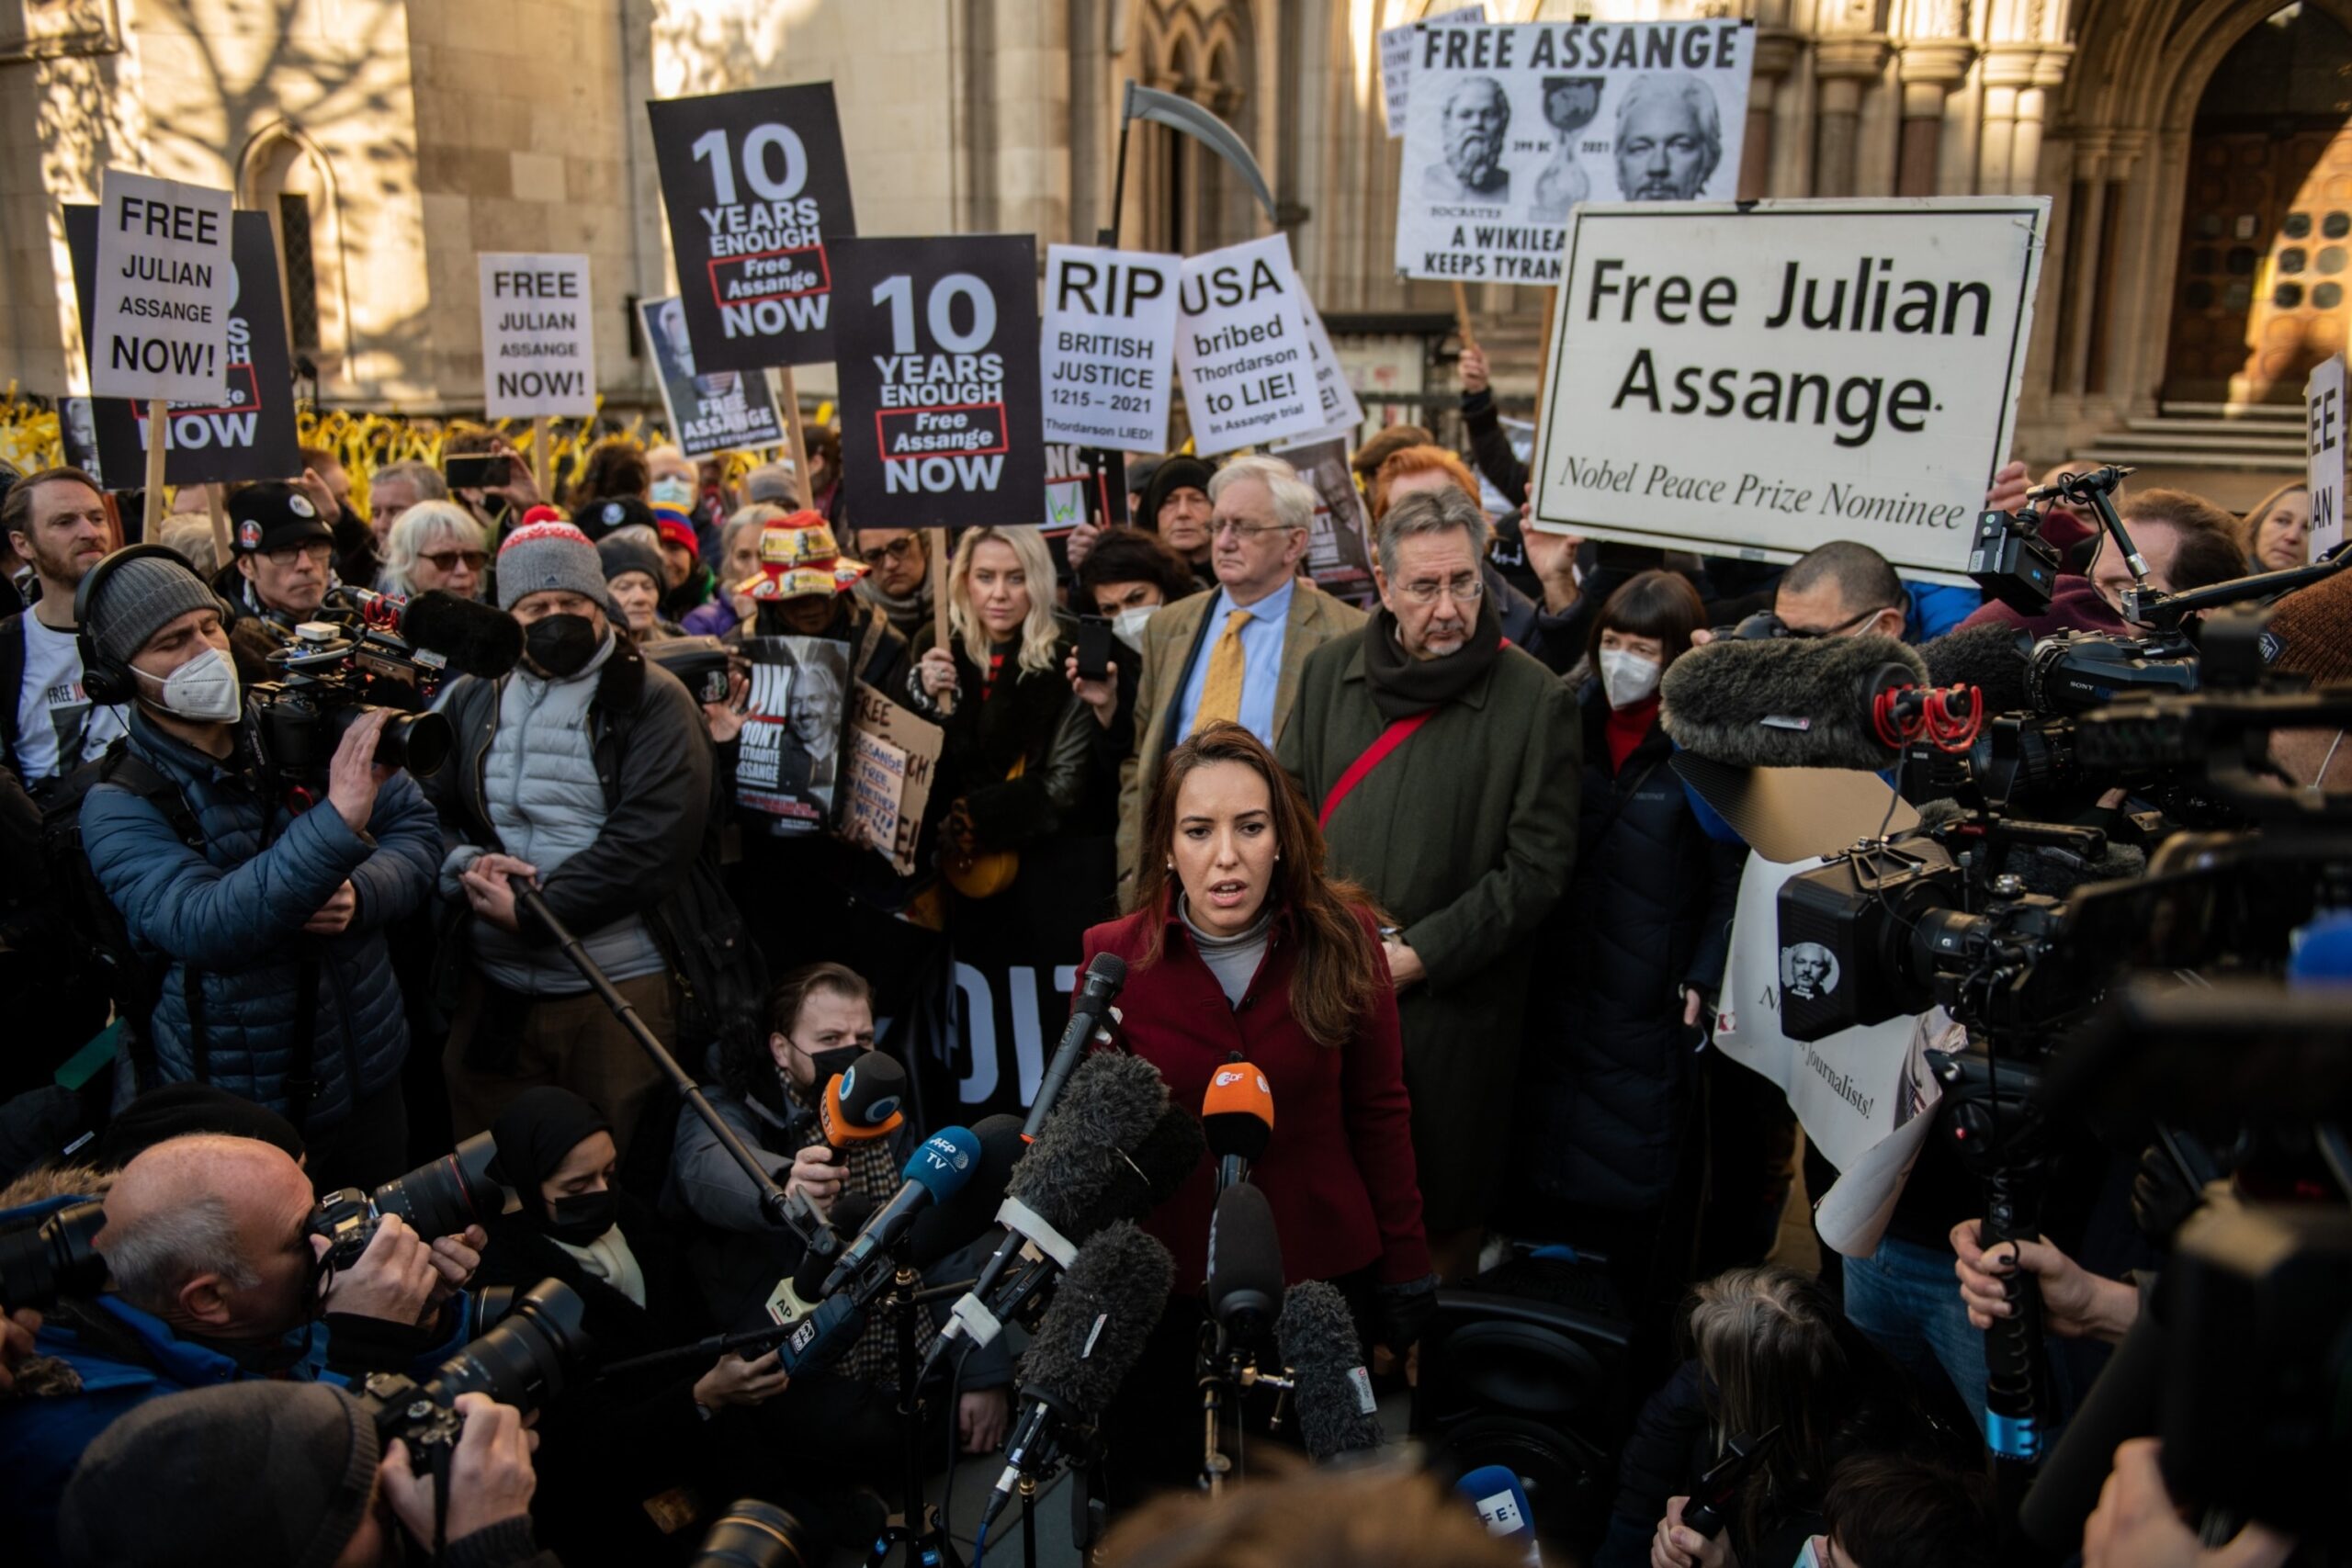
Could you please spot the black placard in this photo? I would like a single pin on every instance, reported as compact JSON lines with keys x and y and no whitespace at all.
{"x":250,"y":433}
{"x":758,"y":193}
{"x":940,"y":414}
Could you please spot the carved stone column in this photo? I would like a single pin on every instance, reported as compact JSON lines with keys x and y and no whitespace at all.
{"x":1844,"y":66}
{"x":1929,"y":69}
{"x":1776,"y":56}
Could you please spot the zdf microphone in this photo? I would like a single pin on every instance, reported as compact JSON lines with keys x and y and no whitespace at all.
{"x":1237,"y":1116}
{"x":1810,"y":702}
{"x":934,"y":1172}
{"x":1090,"y":1005}
{"x":1110,"y":1301}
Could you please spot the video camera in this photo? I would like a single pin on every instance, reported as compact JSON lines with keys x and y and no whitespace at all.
{"x":437,"y":1199}
{"x":523,"y":1361}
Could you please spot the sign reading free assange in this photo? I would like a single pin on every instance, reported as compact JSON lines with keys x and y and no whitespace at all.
{"x":1755,"y":382}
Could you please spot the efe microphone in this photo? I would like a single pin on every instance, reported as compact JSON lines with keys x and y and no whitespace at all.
{"x":1495,"y":1491}
{"x":1109,"y":1300}
{"x":1237,"y":1116}
{"x":1096,"y":990}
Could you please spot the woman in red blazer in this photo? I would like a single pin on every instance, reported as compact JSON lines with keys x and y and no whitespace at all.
{"x":1241,"y":945}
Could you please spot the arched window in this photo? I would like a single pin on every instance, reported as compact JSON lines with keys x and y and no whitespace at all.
{"x":284,"y":174}
{"x":1190,"y":201}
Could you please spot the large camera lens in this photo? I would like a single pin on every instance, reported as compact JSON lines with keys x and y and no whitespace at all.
{"x":445,"y":1196}
{"x":522,"y":1361}
{"x":56,"y":1258}
{"x":420,"y":742}
{"x":752,"y":1534}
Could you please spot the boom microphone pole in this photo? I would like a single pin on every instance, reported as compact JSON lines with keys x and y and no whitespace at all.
{"x":791,"y":1210}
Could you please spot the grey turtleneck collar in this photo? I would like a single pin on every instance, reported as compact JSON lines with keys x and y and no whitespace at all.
{"x":1232,"y":959}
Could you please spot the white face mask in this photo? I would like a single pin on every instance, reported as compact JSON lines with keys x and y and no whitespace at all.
{"x":671,"y":490}
{"x":1627,"y":678}
{"x":1128,"y":623}
{"x":204,"y":689}
{"x":1811,"y":1556}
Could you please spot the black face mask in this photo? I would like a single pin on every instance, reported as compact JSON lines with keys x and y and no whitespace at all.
{"x":830,"y":1064}
{"x":582,"y":1218}
{"x":560,"y":646}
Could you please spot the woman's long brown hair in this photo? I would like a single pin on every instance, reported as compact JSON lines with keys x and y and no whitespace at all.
{"x":1337,"y":977}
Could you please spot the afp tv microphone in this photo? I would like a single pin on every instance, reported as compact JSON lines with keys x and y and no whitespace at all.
{"x":933,"y":1173}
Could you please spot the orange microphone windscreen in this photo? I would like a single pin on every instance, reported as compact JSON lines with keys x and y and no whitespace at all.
{"x":1238,"y":1111}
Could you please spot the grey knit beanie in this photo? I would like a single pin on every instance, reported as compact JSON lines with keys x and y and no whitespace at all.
{"x":140,"y":597}
{"x":259,"y":1474}
{"x":547,"y":555}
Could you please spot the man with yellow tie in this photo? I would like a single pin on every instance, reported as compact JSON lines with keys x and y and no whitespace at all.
{"x":1234,"y":654}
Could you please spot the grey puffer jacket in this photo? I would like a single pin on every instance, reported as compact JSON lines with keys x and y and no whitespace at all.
{"x":229,"y":921}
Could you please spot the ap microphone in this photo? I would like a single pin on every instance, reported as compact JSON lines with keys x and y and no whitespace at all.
{"x":1096,"y":990}
{"x":1237,"y":1116}
{"x":1788,"y":702}
{"x":1109,"y":1300}
{"x":1495,"y":1491}
{"x":1244,"y":1289}
{"x":1337,"y":1412}
{"x":475,"y":638}
{"x":933,"y":1173}
{"x":865,"y":1102}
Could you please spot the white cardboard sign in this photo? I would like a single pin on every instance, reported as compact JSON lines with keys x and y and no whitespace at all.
{"x":1244,"y":350}
{"x":1108,"y":336}
{"x":1509,"y":128}
{"x":1342,"y":415}
{"x":539,"y":339}
{"x":1397,"y":58}
{"x":159,"y":325}
{"x":1754,"y":382}
{"x":2323,"y":452}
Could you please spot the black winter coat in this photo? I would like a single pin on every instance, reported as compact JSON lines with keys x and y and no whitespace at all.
{"x":1606,"y":1073}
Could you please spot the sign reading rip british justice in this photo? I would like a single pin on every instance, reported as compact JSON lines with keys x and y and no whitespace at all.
{"x":758,"y":191}
{"x":1755,"y":381}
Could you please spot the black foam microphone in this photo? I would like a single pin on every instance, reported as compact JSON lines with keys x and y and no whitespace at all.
{"x":1090,"y":1004}
{"x":1113,"y":1103}
{"x":474,"y":638}
{"x":1244,"y":1289}
{"x":1992,"y":657}
{"x":1337,"y":1412}
{"x":1116,"y":1288}
{"x":1787,"y":701}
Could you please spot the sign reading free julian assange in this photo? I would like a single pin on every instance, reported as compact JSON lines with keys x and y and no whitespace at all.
{"x":1757,"y":382}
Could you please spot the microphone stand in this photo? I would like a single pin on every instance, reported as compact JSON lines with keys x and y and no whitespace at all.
{"x":790,"y":1211}
{"x":928,"y":1543}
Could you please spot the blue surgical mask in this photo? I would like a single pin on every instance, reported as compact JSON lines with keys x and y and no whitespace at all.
{"x":671,"y":490}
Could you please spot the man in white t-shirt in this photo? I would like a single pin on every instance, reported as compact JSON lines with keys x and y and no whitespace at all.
{"x":57,"y":520}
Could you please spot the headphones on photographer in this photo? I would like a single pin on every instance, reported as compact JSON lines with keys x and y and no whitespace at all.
{"x":103,"y":680}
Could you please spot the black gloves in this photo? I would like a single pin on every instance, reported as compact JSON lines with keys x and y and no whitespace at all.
{"x":1405,"y":1310}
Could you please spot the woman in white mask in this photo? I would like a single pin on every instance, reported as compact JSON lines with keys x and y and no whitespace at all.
{"x":1637,"y":945}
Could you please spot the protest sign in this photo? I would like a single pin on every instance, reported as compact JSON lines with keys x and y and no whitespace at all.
{"x":907,"y":746}
{"x":1509,"y":128}
{"x":939,"y":391}
{"x":758,"y":191}
{"x":1397,"y":58}
{"x":795,"y":724}
{"x":247,"y":434}
{"x":1752,"y":381}
{"x":1110,"y":328}
{"x":723,"y":411}
{"x":1243,"y":348}
{"x":539,"y":341}
{"x":159,"y":307}
{"x":1338,"y":553}
{"x":2323,"y":452}
{"x":1076,"y":493}
{"x":1342,"y":415}
{"x":1864,"y":1095}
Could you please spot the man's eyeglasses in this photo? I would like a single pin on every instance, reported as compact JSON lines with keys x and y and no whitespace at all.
{"x":1462,"y":589}
{"x":1220,"y":529}
{"x":1842,"y":628}
{"x":445,"y":561}
{"x":317,"y":551}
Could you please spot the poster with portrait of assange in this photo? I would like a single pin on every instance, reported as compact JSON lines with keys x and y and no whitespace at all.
{"x":1508,"y":128}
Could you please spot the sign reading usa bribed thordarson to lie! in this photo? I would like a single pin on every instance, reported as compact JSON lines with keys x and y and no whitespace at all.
{"x":1755,"y":381}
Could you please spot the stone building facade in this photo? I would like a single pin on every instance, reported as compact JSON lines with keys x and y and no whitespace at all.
{"x":2195,"y":152}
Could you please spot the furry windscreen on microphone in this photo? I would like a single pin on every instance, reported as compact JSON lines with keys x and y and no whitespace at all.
{"x":1783,"y":703}
{"x":1333,"y":1391}
{"x":1113,"y":1103}
{"x":1112,"y":1295}
{"x":1169,"y":1154}
{"x":475,"y":638}
{"x":2045,"y":868}
{"x":1992,"y":657}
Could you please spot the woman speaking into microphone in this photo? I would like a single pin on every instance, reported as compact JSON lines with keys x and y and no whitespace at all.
{"x":1241,"y":947}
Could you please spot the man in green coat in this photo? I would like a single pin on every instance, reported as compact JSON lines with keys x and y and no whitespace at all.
{"x":1464,"y":830}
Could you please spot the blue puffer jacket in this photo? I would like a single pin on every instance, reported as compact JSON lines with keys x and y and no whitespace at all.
{"x":234,"y":916}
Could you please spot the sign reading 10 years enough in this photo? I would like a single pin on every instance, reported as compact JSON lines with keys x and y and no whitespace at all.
{"x":1757,"y":382}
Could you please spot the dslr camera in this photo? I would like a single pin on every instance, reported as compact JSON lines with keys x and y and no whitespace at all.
{"x":59,"y":1256}
{"x":336,"y":669}
{"x":524,"y":1360}
{"x":434,"y":1199}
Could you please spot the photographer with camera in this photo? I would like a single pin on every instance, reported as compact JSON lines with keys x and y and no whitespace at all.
{"x":261,"y":899}
{"x":217,"y":1276}
{"x":267,"y":1475}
